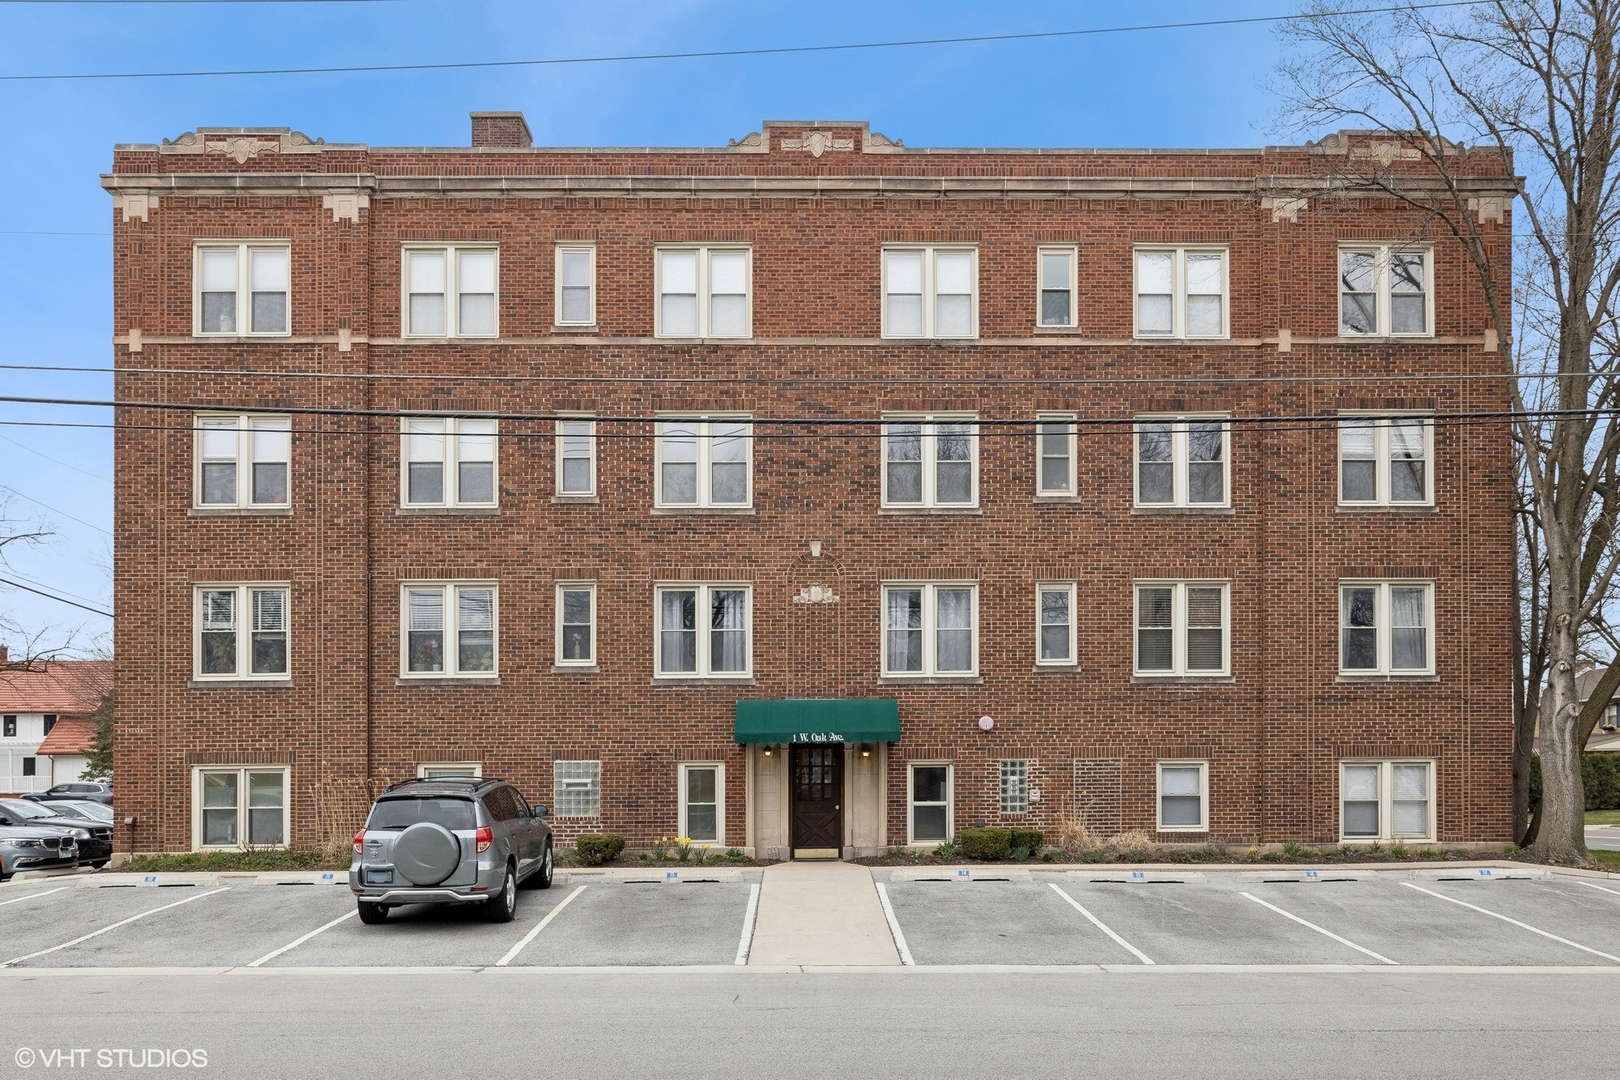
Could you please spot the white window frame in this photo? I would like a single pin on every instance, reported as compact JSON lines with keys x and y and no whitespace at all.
{"x":930,"y":253}
{"x":1384,"y":625}
{"x":1072,"y":253}
{"x":1383,"y":464}
{"x":930,"y":629}
{"x":572,"y":248}
{"x":911,"y":801}
{"x":562,"y":434}
{"x":451,"y":462}
{"x":568,"y":587}
{"x":1203,"y":795}
{"x":431,"y":770}
{"x":1181,"y":460}
{"x":704,"y":658}
{"x":1383,"y":288}
{"x":1178,"y":291}
{"x":242,"y":806}
{"x":929,"y":434}
{"x":244,"y":631}
{"x":1003,"y":775}
{"x":452,"y":290}
{"x":592,"y":770}
{"x":1386,"y":801}
{"x":1070,"y":439}
{"x":1071,"y":589}
{"x":705,"y":253}
{"x":685,"y":832}
{"x":244,"y":286}
{"x":247,"y":426}
{"x":1178,"y":628}
{"x":451,"y":630}
{"x":704,"y":433}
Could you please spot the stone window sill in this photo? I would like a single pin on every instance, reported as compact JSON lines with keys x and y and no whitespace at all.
{"x":1057,"y":498}
{"x":1181,"y":680}
{"x":1385,"y":678}
{"x":239,"y":511}
{"x":701,"y":680}
{"x":451,"y":680}
{"x":930,"y":511}
{"x":575,"y":328}
{"x":1072,"y":331}
{"x":1387,"y":508}
{"x":240,"y":684}
{"x":930,"y":680}
{"x":583,"y":500}
{"x":687,"y":511}
{"x":575,"y":669}
{"x":447,"y":511}
{"x":1157,"y":511}
{"x":1056,"y":669}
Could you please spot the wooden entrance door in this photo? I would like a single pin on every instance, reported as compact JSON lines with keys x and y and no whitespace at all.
{"x":818,"y":798}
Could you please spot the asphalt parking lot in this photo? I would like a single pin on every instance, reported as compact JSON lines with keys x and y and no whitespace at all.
{"x":1035,"y":918}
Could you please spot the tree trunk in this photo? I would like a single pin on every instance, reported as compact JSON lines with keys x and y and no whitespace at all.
{"x":1560,"y":826}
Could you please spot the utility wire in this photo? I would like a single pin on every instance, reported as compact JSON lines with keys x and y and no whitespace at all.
{"x":708,"y":54}
{"x":52,"y":509}
{"x":58,"y":461}
{"x":53,"y":596}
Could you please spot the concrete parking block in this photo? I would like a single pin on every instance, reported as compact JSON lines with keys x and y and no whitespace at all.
{"x":959,"y":873}
{"x":643,"y":925}
{"x":996,"y":923}
{"x":1142,"y":877}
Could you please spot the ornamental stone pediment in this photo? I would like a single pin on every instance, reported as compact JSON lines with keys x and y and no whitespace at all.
{"x":242,"y":144}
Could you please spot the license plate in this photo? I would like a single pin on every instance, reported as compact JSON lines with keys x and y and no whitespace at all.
{"x":379,"y":877}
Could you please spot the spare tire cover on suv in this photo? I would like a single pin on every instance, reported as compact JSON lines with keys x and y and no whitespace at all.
{"x":426,"y":853}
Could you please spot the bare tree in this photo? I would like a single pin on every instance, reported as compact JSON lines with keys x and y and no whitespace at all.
{"x":1538,"y":80}
{"x":29,"y":647}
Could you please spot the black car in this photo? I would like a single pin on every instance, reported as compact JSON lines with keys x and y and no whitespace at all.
{"x":94,"y":790}
{"x":94,"y":840}
{"x":25,"y":848}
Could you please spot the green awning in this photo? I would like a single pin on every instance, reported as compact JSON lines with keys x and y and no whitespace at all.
{"x":819,"y":720}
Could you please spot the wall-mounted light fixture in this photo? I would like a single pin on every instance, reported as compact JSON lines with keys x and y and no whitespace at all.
{"x":986,"y":723}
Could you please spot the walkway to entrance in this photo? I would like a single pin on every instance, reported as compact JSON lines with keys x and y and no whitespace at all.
{"x":821,"y":913}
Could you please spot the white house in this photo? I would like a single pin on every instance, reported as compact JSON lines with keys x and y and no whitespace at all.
{"x":44,"y":722}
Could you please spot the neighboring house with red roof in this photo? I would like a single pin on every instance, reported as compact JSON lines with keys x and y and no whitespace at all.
{"x":45,"y":725}
{"x":1606,"y":735}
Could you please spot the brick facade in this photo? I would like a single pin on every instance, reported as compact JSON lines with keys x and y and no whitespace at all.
{"x":815,"y":204}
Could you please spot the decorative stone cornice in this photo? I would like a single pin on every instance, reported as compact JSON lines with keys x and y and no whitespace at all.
{"x":242,"y":144}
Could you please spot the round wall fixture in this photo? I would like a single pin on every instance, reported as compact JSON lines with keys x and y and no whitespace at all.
{"x":986,"y":723}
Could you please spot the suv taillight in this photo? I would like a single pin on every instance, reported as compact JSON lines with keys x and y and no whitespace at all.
{"x":359,"y":839}
{"x":484,"y":838}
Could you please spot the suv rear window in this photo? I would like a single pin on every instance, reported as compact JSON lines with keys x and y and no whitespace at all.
{"x":400,"y":813}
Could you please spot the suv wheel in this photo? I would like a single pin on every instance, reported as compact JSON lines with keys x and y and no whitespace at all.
{"x":502,"y":905}
{"x":542,"y":879}
{"x":372,"y":914}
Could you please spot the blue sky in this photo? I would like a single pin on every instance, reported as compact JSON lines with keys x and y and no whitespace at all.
{"x":1201,"y":87}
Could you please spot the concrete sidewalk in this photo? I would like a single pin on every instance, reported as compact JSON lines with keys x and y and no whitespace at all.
{"x":821,"y":913}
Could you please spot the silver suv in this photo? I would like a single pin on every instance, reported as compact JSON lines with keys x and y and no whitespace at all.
{"x":449,"y":840}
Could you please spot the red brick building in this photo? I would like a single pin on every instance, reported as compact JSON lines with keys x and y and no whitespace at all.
{"x":815,"y":493}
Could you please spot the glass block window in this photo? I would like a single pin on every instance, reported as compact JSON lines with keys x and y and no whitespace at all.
{"x":576,"y":788}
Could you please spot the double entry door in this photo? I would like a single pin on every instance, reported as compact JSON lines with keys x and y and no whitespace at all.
{"x":816,"y":778}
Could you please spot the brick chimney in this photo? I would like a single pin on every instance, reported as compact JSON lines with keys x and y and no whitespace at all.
{"x":502,"y":130}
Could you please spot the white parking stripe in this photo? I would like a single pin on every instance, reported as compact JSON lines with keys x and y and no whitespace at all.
{"x":1515,"y":922}
{"x":747,"y":940}
{"x":114,"y":926}
{"x":1099,"y":924}
{"x":539,"y":926}
{"x":1588,"y":884}
{"x":31,"y":896}
{"x":1319,"y":930}
{"x":293,"y":945}
{"x":894,"y":927}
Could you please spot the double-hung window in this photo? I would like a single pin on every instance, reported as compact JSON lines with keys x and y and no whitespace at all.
{"x":1054,"y":456}
{"x":1385,"y":292}
{"x":1058,"y":271}
{"x":243,"y":461}
{"x":241,"y":632}
{"x":241,"y":290}
{"x":451,"y":291}
{"x":1014,"y":787}
{"x":239,"y":807}
{"x":703,"y":803}
{"x":705,"y":462}
{"x":449,"y":630}
{"x":576,"y":285}
{"x":1054,"y":623}
{"x":449,"y":462}
{"x":1181,"y":628}
{"x":1386,"y":461}
{"x":930,"y":629}
{"x":576,"y":624}
{"x":1386,"y":800}
{"x":1386,"y":628}
{"x":1182,"y":462}
{"x":576,"y":788}
{"x":930,"y":462}
{"x":1181,"y":292}
{"x":704,"y":292}
{"x":929,"y":797}
{"x":704,"y":630}
{"x":930,"y":292}
{"x":1183,"y":796}
{"x":576,"y":457}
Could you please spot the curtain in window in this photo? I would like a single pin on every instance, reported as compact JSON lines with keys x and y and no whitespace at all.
{"x":475,"y":627}
{"x":1409,"y":636}
{"x":903,"y":620}
{"x":954,"y":630}
{"x":728,"y":630}
{"x":677,"y":634}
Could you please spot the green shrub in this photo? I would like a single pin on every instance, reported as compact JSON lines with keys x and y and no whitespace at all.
{"x":986,"y":843}
{"x":1033,"y":839}
{"x":1600,"y":776}
{"x":594,"y":849}
{"x":947,"y":850}
{"x":263,"y":859}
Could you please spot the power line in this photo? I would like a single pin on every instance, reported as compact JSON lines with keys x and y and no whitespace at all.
{"x":709,"y":54}
{"x":52,"y":509}
{"x":58,"y":461}
{"x":53,"y":588}
{"x":58,"y":599}
{"x":33,"y":232}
